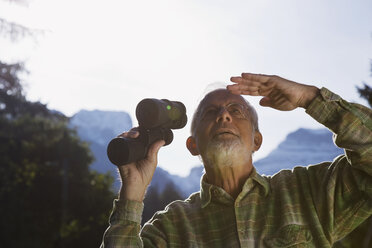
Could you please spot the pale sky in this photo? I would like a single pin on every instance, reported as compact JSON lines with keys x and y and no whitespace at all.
{"x":109,"y":55}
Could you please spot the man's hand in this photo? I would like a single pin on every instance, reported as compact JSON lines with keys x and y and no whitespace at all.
{"x":277,"y":92}
{"x":137,"y":176}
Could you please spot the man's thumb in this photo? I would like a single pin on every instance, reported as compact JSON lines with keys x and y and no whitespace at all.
{"x":265,"y":101}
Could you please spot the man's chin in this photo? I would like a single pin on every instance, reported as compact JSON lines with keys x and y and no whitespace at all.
{"x":224,"y":149}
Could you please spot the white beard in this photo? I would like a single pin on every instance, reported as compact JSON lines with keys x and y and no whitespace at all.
{"x":223,"y":153}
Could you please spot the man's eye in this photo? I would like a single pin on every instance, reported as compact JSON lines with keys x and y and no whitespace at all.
{"x":235,"y":110}
{"x":210,"y":111}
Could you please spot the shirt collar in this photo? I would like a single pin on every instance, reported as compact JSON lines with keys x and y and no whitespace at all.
{"x":254,"y":178}
{"x":205,"y":191}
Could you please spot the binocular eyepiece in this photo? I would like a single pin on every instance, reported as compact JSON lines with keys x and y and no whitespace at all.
{"x":155,"y":118}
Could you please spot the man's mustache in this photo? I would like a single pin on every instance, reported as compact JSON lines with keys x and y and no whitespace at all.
{"x":225,"y":130}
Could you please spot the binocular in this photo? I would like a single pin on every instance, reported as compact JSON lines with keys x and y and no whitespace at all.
{"x":155,"y":118}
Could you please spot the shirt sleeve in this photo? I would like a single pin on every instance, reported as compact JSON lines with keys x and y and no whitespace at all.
{"x":124,"y":225}
{"x":125,"y":231}
{"x":342,"y":190}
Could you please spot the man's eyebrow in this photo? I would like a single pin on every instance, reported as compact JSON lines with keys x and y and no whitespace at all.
{"x":209,"y":106}
{"x":225,"y":104}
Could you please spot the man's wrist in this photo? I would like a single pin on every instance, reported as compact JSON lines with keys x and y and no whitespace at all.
{"x":311,"y":93}
{"x":132,"y":195}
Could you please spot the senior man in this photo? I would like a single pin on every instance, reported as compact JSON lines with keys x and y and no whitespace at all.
{"x":310,"y":206}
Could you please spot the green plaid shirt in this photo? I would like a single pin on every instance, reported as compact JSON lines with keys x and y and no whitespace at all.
{"x":310,"y":206}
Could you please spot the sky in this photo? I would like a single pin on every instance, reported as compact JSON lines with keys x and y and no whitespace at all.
{"x":109,"y":55}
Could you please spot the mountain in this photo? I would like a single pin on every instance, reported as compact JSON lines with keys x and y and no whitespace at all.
{"x":302,"y":147}
{"x":98,"y":128}
{"x":191,"y":183}
{"x":184,"y":185}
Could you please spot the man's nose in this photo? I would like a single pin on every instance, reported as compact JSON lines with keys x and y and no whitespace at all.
{"x":223,"y":115}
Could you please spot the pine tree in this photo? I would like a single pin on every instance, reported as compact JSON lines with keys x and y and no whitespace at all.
{"x":366,"y":91}
{"x":155,"y":201}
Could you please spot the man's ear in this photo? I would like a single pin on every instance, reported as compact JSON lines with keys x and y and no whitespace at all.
{"x":257,"y":140}
{"x":191,"y":145}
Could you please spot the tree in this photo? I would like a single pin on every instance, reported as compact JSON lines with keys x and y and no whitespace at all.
{"x":15,"y":31}
{"x":366,"y":93}
{"x":48,"y":195}
{"x":155,"y":201}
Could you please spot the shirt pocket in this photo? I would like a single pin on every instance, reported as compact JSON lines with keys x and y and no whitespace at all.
{"x":291,"y":236}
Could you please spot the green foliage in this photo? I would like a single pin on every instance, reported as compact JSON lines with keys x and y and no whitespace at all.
{"x":48,"y":195}
{"x":155,"y":201}
{"x":366,"y":93}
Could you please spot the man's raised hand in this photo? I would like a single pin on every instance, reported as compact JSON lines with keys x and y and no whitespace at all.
{"x":277,"y":92}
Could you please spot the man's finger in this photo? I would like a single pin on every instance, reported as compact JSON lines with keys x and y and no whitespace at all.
{"x":130,"y":134}
{"x":244,"y":87}
{"x":234,"y":88}
{"x":243,"y":84}
{"x":243,"y":81}
{"x":256,"y":77}
{"x":249,"y":92}
{"x":236,"y":79}
{"x":235,"y":92}
{"x":252,"y":89}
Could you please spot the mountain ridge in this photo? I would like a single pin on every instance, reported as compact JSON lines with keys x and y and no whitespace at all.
{"x":301,"y":147}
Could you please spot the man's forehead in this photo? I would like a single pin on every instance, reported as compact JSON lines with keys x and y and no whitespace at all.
{"x":221,"y":97}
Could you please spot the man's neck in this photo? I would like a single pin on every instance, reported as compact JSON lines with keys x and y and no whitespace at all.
{"x":231,"y":178}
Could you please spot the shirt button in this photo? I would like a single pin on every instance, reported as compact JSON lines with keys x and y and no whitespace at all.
{"x":215,"y":192}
